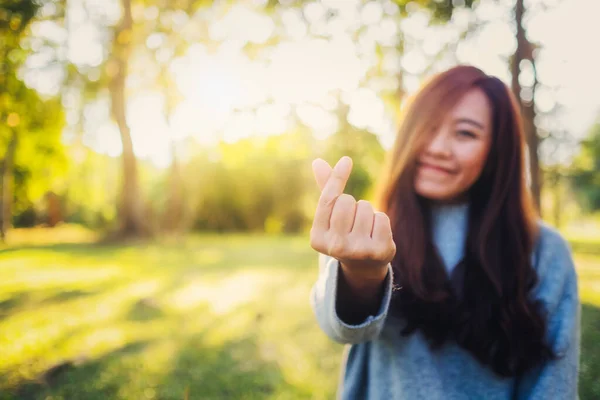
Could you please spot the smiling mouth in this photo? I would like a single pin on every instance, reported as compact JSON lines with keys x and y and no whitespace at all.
{"x":431,"y":167}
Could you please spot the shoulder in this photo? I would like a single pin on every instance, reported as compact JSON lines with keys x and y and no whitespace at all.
{"x":553,"y":262}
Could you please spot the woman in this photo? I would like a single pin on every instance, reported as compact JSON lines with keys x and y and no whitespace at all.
{"x":453,"y":289}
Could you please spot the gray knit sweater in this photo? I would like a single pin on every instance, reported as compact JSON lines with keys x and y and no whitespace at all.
{"x":380,"y":364}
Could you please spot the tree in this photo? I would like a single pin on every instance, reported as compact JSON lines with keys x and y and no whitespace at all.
{"x":18,"y":15}
{"x":585,"y":175}
{"x":524,"y":54}
{"x":30,"y":126}
{"x":130,"y":208}
{"x":173,"y":43}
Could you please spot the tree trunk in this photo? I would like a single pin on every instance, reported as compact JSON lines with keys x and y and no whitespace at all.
{"x":173,"y":217}
{"x":7,"y":187}
{"x":53,"y":209}
{"x":130,"y":207}
{"x":557,"y":189}
{"x":525,"y":52}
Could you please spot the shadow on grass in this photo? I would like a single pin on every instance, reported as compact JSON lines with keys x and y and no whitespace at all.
{"x":7,"y":306}
{"x":589,"y":376}
{"x":68,"y":295}
{"x":41,"y":297}
{"x":76,"y":248}
{"x":234,"y":369}
{"x":75,"y":381}
{"x":21,"y":299}
{"x":145,"y":309}
{"x":210,"y":253}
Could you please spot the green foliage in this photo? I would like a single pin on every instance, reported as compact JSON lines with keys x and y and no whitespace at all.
{"x":267,"y":184}
{"x":585,"y":175}
{"x":441,"y":10}
{"x":15,"y":15}
{"x":39,"y":157}
{"x":32,"y":123}
{"x":253,"y":184}
{"x":89,"y":189}
{"x":366,"y":152}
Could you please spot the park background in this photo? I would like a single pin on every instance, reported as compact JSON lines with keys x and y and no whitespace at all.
{"x":157,"y":191}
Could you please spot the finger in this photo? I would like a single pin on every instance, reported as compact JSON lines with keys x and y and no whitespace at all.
{"x":364,"y":219}
{"x":382,"y":230}
{"x":322,"y":170}
{"x":342,"y":217}
{"x":339,"y":176}
{"x":333,"y":189}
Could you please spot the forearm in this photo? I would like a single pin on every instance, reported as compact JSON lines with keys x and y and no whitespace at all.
{"x":324,"y":298}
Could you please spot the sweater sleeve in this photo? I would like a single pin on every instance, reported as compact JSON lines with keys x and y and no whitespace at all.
{"x":558,"y":290}
{"x":323,"y":298}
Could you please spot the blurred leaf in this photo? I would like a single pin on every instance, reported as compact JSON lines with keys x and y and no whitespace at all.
{"x":15,"y":15}
{"x":585,"y":175}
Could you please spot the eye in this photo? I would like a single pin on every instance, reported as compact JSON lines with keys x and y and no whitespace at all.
{"x":465,"y":133}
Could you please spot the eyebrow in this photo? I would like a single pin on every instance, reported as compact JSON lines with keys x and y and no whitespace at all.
{"x":470,"y":121}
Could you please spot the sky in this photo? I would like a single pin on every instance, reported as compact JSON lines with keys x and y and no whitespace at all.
{"x":228,"y":96}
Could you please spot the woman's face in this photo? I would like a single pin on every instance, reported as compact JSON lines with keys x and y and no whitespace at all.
{"x":456,"y":155}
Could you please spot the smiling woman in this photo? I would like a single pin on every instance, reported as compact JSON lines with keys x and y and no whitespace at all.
{"x":454,"y":288}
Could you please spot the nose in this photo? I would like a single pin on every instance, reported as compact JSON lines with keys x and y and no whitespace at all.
{"x":440,"y":144}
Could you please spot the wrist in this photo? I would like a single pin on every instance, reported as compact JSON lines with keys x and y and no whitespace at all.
{"x":364,"y":281}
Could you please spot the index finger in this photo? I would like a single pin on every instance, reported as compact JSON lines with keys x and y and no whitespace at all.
{"x":331,"y":191}
{"x":322,"y":172}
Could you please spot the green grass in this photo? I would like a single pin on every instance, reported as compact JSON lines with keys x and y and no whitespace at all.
{"x":205,"y":317}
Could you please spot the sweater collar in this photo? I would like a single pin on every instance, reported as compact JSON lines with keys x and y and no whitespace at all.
{"x":450,"y":214}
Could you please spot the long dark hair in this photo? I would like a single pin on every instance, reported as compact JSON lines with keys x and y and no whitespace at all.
{"x":492,"y":316}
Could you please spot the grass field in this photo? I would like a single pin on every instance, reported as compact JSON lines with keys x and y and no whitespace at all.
{"x":206,"y":317}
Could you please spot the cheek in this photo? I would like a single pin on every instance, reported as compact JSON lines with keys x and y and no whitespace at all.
{"x":472,"y":160}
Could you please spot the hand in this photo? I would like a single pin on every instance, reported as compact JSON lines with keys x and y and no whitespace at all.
{"x":352,"y":232}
